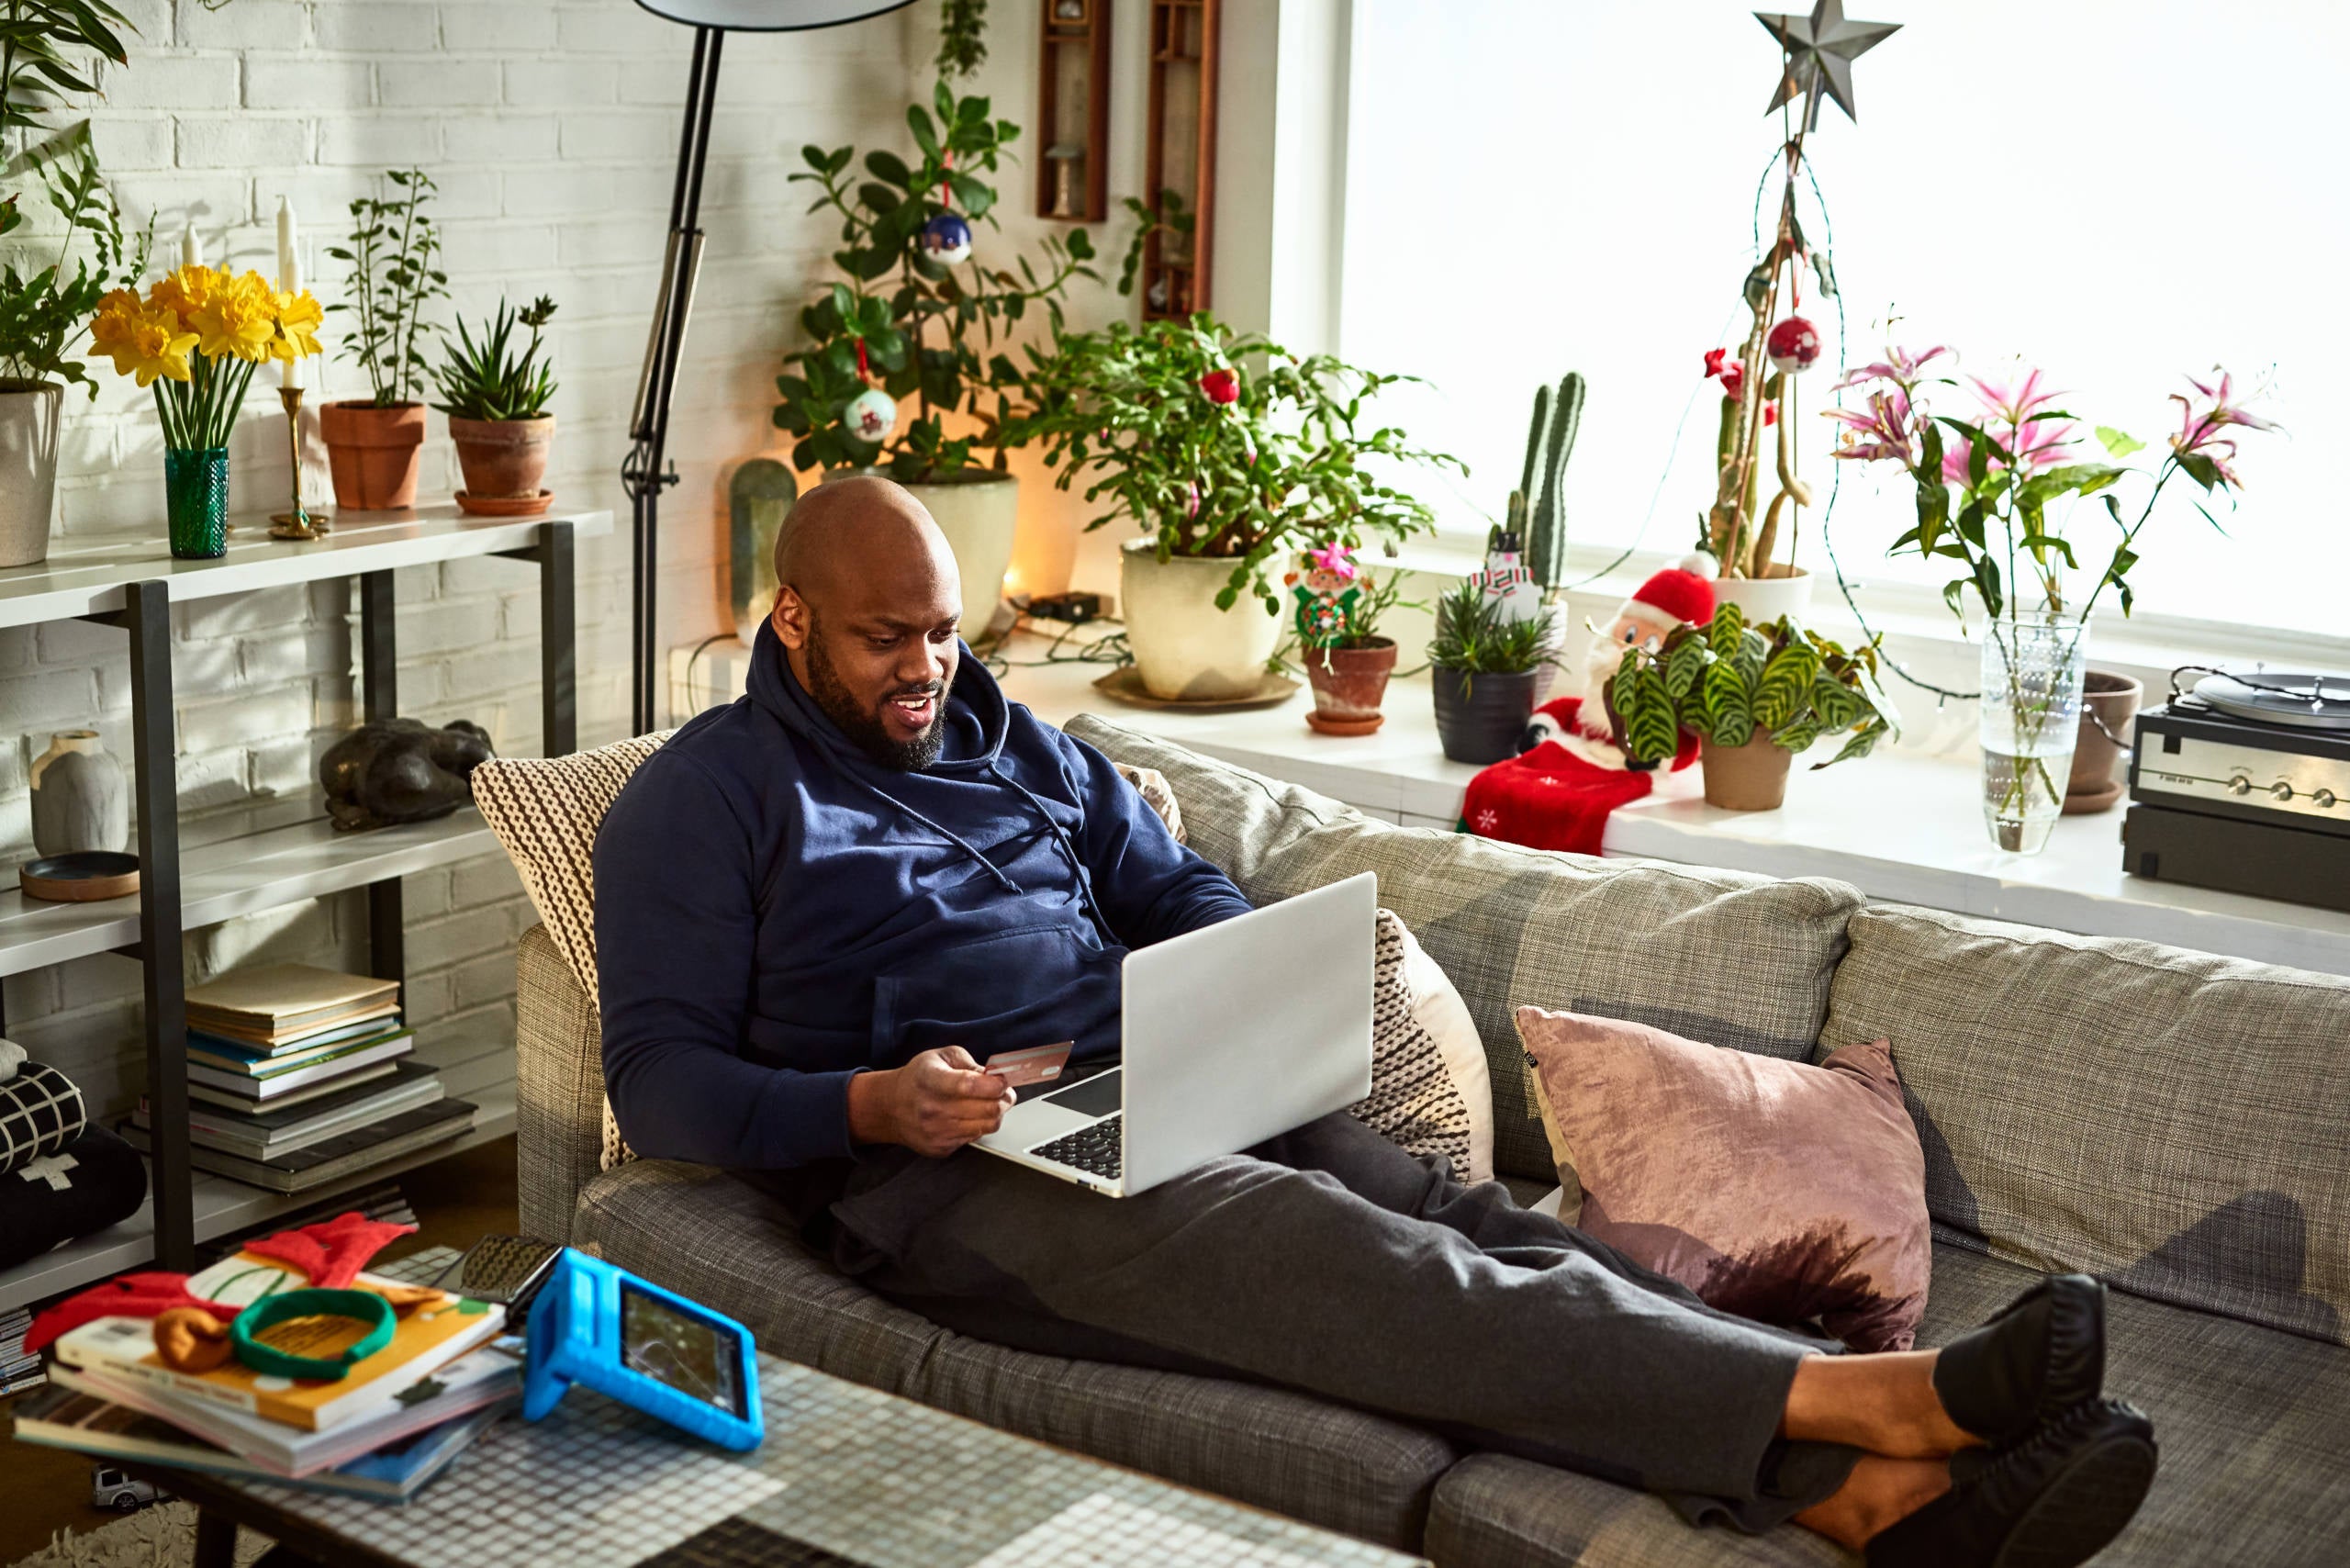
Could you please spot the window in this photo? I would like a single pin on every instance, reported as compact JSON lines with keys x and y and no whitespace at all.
{"x":2123,"y":190}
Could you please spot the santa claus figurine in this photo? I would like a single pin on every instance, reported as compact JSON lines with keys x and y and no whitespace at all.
{"x":1558,"y":792}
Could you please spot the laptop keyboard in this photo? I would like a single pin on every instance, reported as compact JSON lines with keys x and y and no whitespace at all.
{"x":1098,"y":1150}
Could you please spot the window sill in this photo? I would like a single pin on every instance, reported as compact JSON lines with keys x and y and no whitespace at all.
{"x":1901,"y":827}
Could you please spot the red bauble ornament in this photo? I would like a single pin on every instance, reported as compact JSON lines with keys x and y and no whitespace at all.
{"x":1220,"y":385}
{"x":1793,"y":345}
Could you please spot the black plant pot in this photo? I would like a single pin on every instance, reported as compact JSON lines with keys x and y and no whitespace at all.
{"x":1479,"y":718}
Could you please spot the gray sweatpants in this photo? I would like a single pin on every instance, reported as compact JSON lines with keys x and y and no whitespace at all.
{"x":1328,"y":1259}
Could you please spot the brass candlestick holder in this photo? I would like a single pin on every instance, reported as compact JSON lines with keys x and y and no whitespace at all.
{"x":299,"y":523}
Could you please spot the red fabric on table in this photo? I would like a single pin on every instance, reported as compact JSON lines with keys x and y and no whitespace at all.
{"x":125,"y":1296}
{"x":1549,"y":798}
{"x":332,"y":1252}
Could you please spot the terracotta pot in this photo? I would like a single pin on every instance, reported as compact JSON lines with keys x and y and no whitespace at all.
{"x":1750,"y":777}
{"x":501,"y":459}
{"x":1348,"y":685}
{"x":2109,"y":702}
{"x":1482,"y":718}
{"x":373,"y":454}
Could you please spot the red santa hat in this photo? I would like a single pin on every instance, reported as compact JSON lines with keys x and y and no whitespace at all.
{"x":1680,"y":594}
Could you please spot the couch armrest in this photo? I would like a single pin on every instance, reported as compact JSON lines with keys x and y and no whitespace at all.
{"x":559,"y":1089}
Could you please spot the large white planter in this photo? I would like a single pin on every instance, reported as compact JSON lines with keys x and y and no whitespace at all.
{"x":29,"y":422}
{"x":1767,"y":598}
{"x":1185,"y":648}
{"x":978,"y":510}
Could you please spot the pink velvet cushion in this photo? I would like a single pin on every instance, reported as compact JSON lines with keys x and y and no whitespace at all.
{"x":1775,"y":1190}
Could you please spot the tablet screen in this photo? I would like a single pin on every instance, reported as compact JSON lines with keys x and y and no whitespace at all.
{"x":697,"y":1358}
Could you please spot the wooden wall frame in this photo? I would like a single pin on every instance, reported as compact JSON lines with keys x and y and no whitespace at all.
{"x":1180,"y":155}
{"x":1073,"y":142}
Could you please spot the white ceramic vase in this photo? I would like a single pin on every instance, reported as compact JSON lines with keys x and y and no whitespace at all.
{"x":1185,"y":648}
{"x":80,"y":799}
{"x":1767,"y":598}
{"x":978,"y":510}
{"x":29,"y":424}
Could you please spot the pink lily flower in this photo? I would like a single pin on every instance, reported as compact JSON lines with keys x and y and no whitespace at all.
{"x":1336,"y":559}
{"x":1899,"y":366}
{"x":2037,"y":444}
{"x":2199,"y":433}
{"x":1881,"y":430}
{"x":2015,"y":404}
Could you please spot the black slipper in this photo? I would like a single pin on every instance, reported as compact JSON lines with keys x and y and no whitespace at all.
{"x":2051,"y":1501}
{"x":2038,"y":1356}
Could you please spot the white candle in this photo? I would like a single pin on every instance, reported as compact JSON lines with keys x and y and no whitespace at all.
{"x":191,"y":248}
{"x":289,"y":276}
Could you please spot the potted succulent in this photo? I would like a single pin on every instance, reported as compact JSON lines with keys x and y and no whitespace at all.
{"x":373,"y":443}
{"x":1347,"y":661}
{"x":913,"y":341}
{"x":1226,"y":473}
{"x":495,"y":398}
{"x":1754,"y":696}
{"x":43,"y":307}
{"x":1485,"y":664}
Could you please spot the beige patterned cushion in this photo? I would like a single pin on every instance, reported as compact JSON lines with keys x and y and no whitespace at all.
{"x":1429,"y":1089}
{"x":545,"y":812}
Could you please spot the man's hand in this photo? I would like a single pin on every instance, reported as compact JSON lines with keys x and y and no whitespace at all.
{"x":934,"y":1105}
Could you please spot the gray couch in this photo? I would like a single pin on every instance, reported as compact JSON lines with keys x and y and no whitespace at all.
{"x":2177,"y":1122}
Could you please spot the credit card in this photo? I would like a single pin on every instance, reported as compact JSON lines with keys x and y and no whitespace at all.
{"x":1035,"y":1064}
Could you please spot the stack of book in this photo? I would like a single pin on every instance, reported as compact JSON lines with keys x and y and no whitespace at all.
{"x":19,"y":1372}
{"x":392,"y":1423}
{"x":296,"y":1077}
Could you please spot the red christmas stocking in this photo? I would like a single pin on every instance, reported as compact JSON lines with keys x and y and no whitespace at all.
{"x":1549,"y":798}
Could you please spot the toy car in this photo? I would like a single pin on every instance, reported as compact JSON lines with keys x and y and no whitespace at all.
{"x":110,"y":1488}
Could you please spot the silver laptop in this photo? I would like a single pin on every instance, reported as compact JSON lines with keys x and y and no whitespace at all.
{"x":1232,"y":1033}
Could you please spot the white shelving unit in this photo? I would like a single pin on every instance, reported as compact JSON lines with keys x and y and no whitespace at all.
{"x":131,"y":582}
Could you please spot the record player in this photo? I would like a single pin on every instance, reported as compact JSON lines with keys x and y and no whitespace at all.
{"x":2243,"y":783}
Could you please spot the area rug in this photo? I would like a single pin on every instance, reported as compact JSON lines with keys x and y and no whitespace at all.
{"x":162,"y":1535}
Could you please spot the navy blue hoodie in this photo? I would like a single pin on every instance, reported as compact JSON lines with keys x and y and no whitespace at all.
{"x":776,"y":911}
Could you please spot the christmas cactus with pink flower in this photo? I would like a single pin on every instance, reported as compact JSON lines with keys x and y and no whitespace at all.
{"x":1987,"y":485}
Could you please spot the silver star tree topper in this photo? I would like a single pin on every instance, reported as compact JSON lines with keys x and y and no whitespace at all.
{"x":1820,"y":52}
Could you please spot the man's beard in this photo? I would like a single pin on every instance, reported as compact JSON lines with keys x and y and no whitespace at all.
{"x":864,"y":727}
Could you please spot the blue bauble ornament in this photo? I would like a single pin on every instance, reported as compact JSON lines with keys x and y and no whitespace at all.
{"x":946,"y":238}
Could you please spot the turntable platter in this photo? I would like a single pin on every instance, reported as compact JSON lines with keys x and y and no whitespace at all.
{"x":2295,"y":698}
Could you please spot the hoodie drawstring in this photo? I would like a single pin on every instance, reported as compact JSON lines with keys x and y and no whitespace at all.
{"x":1060,"y":837}
{"x":948,"y":834}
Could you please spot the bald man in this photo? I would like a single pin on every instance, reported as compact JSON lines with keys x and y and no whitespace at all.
{"x":817,"y":908}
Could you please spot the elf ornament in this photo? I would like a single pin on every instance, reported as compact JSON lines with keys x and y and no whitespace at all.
{"x":1558,"y":793}
{"x":1326,"y":592}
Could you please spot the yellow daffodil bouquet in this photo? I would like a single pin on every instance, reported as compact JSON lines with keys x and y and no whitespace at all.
{"x":196,"y":338}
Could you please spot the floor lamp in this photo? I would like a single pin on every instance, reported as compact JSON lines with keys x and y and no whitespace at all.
{"x":647,"y":470}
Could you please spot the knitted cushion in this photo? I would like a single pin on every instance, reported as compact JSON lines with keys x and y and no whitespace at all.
{"x":545,"y":812}
{"x":1429,"y":1089}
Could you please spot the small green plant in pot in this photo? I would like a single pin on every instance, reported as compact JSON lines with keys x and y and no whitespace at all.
{"x":373,"y":443}
{"x":1485,"y":666}
{"x":1754,"y":696}
{"x":1347,"y":661}
{"x":1229,"y":454}
{"x":496,"y":396}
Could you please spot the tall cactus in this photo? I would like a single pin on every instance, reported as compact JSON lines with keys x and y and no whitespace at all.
{"x":1546,"y":514}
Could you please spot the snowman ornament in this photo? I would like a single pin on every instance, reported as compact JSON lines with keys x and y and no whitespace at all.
{"x":1505,"y":582}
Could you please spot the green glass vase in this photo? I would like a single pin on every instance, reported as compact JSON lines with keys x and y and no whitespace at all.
{"x":196,"y":497}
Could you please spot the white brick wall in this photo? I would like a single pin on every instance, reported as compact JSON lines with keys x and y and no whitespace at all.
{"x":552,"y":129}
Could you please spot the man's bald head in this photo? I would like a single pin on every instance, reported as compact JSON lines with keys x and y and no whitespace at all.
{"x":852,"y":527}
{"x":866,"y":600}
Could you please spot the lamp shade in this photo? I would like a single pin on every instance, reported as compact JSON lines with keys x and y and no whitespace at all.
{"x":769,"y":15}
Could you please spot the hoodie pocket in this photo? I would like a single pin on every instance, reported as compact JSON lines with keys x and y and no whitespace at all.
{"x":1029,"y":986}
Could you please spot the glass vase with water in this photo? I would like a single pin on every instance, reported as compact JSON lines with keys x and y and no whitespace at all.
{"x":2031,"y":710}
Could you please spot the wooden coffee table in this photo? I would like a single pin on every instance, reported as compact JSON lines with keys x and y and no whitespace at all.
{"x":849,"y":1476}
